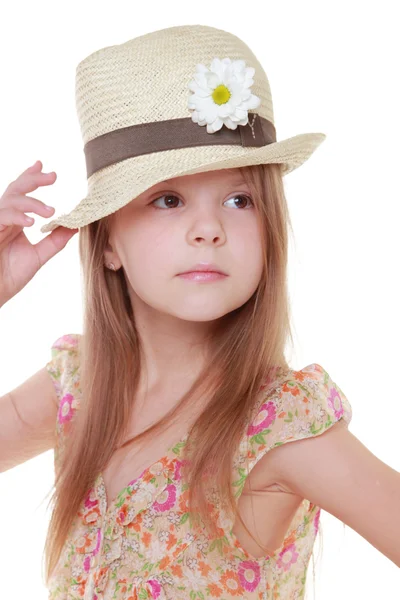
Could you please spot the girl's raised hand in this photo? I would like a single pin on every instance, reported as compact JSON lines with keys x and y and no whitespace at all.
{"x":19,"y":259}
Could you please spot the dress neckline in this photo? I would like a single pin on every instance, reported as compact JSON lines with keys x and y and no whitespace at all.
{"x":110,"y":505}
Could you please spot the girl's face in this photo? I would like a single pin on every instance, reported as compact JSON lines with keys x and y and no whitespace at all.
{"x":175,"y":224}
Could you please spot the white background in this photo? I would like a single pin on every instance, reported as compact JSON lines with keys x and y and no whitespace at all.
{"x":333,"y":68}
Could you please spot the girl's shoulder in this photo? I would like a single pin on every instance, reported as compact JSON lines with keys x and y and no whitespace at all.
{"x":63,"y":366}
{"x":69,"y":341}
{"x":297,"y":404}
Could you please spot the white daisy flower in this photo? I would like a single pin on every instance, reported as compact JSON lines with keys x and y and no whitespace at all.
{"x":222,"y":94}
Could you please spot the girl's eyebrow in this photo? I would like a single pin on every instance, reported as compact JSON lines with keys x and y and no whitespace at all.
{"x":238,"y":180}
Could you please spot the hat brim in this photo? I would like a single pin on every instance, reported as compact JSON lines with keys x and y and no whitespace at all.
{"x":113,"y":187}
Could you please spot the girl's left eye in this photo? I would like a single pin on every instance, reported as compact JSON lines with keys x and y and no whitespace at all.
{"x":247,"y":198}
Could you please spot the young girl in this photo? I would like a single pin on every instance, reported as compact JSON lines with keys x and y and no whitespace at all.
{"x":191,"y":461}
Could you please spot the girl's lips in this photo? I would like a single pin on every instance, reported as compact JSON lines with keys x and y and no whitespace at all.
{"x":202,"y":276}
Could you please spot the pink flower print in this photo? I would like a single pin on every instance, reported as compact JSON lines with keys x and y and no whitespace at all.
{"x":86,"y":563}
{"x":316,"y":521}
{"x":264,"y":418}
{"x":335,"y":402}
{"x":95,"y":551}
{"x":249,"y":574}
{"x":91,"y":500}
{"x":70,"y":339}
{"x":65,"y":410}
{"x":287,"y":557}
{"x":155,"y":588}
{"x":177,"y":470}
{"x":88,"y":559}
{"x":169,"y":502}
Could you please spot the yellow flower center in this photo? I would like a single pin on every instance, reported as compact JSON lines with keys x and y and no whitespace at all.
{"x":221,"y":94}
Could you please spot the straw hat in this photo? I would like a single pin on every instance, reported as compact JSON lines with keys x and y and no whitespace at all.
{"x":173,"y":102}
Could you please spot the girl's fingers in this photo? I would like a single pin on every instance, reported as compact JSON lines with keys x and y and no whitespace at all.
{"x":27,"y":204}
{"x":53,"y":243}
{"x":13,"y":216}
{"x":29,"y":181}
{"x":35,"y":166}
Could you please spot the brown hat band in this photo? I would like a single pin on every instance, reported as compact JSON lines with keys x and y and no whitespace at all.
{"x":118,"y":145}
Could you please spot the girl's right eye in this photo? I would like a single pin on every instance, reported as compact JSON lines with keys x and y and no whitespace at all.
{"x":164,"y":196}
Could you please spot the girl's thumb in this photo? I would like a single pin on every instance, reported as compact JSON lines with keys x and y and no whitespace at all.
{"x":53,"y":243}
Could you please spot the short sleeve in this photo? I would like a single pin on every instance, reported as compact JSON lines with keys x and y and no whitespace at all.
{"x":304,"y":404}
{"x":63,"y":369}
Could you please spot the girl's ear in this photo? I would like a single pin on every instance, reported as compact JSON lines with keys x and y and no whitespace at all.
{"x":110,"y":253}
{"x":110,"y":256}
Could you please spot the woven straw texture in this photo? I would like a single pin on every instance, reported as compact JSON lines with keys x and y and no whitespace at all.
{"x":146,"y":79}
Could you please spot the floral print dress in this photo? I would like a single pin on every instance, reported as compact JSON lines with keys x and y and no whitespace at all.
{"x":142,"y":546}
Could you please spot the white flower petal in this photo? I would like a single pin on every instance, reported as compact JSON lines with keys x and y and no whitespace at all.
{"x":199,"y":91}
{"x":200,"y":79}
{"x":248,"y":82}
{"x":201,"y":104}
{"x":235,"y":118}
{"x":194,"y":103}
{"x":211,"y":115}
{"x":236,"y":92}
{"x":224,"y":110}
{"x":245,"y":95}
{"x":199,"y":120}
{"x":206,"y":114}
{"x":228,"y":75}
{"x":205,"y":104}
{"x":213,"y":80}
{"x":215,"y":126}
{"x":253,"y":102}
{"x":239,"y":74}
{"x":230,"y":124}
{"x":241,"y":113}
{"x":239,"y":79}
{"x":217,"y":66}
{"x":249,"y":72}
{"x":239,"y":65}
{"x":201,"y":68}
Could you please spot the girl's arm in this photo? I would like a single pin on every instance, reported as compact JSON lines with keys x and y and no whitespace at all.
{"x":337,"y":472}
{"x":28,"y":416}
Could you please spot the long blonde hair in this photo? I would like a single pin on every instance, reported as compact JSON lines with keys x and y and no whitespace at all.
{"x":247,"y":345}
